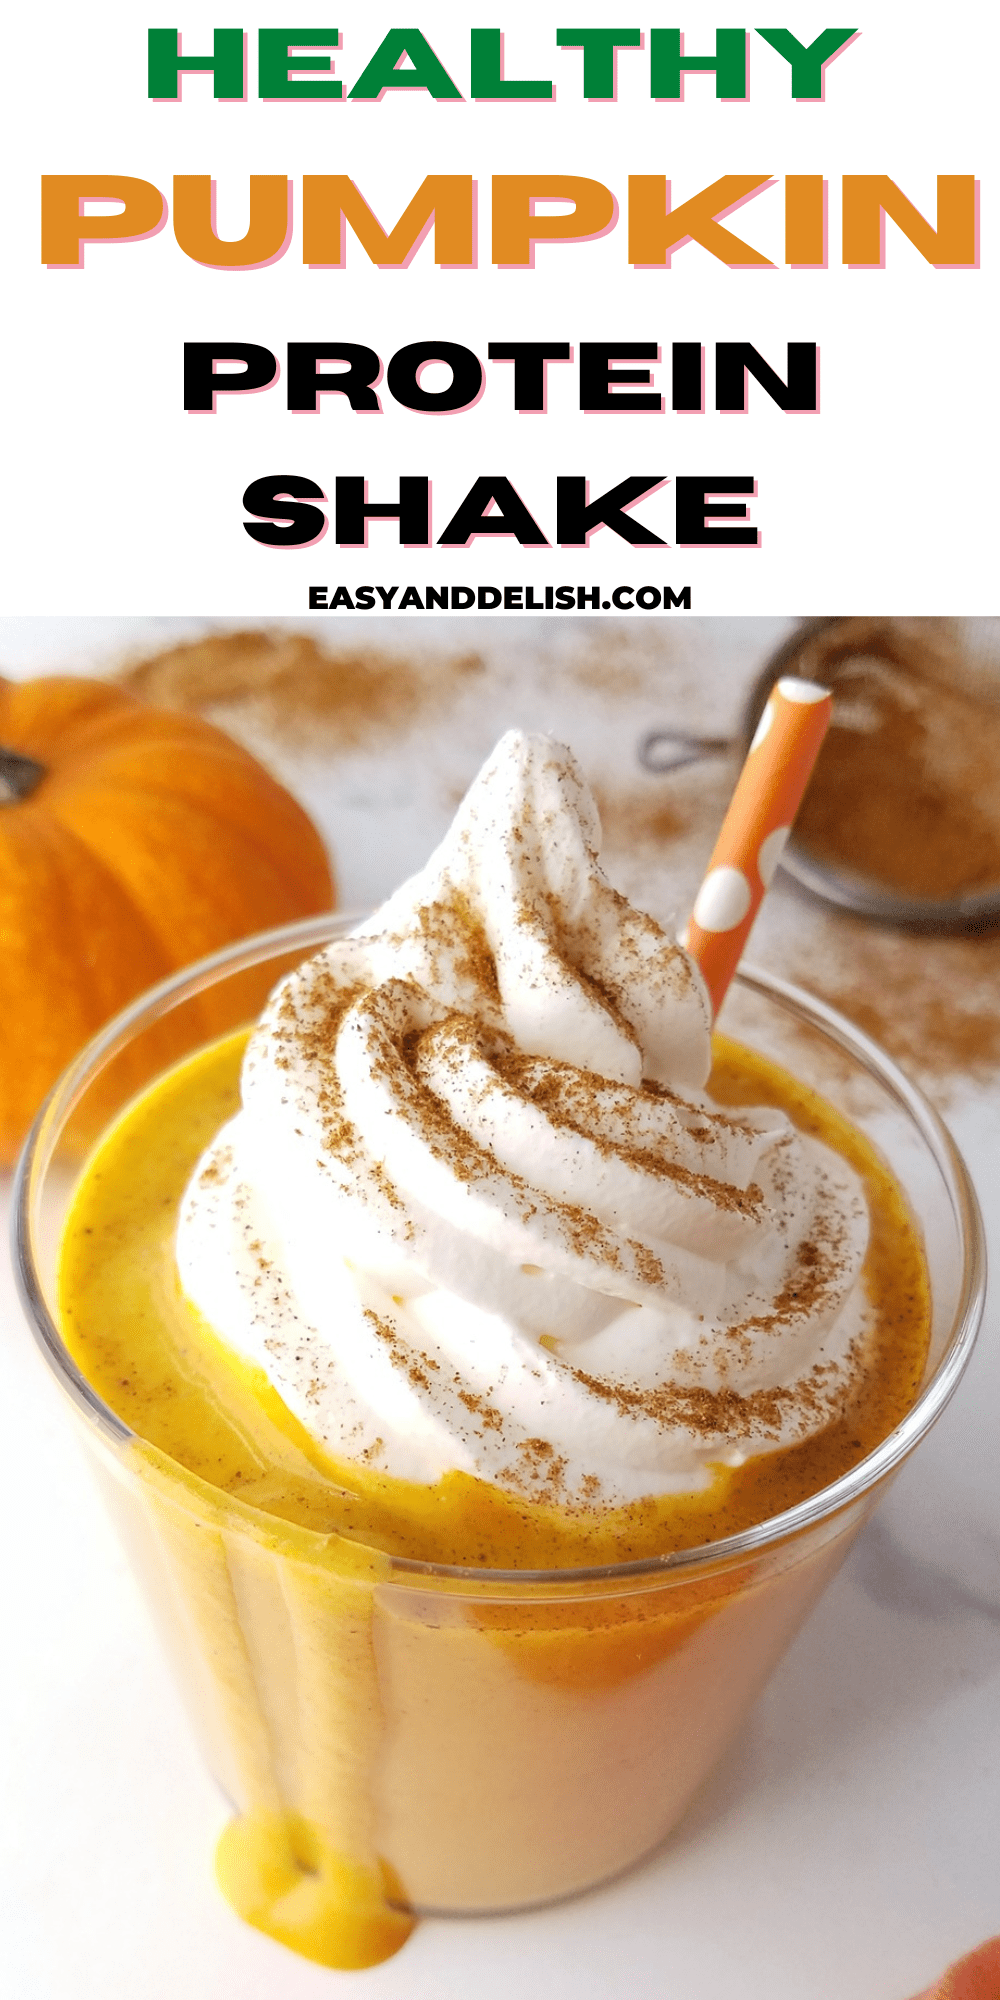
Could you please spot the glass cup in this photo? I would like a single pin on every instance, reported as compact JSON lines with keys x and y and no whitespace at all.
{"x":469,"y":1740}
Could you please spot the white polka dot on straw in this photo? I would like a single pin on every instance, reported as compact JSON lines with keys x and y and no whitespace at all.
{"x":761,"y":811}
{"x":804,"y":691}
{"x":769,"y":854}
{"x":723,"y":900}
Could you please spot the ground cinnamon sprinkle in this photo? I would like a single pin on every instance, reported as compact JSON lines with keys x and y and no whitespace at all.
{"x":489,"y":1416}
{"x":414,"y":1366}
{"x":572,"y":1098}
{"x":905,"y":790}
{"x":707,"y":1412}
{"x":300,"y":692}
{"x":634,"y":818}
{"x":934,"y":1003}
{"x":538,"y":1468}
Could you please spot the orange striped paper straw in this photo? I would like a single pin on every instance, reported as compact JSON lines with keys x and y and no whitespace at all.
{"x":768,"y":794}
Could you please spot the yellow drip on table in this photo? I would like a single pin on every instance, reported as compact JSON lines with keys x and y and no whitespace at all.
{"x":275,"y":1559}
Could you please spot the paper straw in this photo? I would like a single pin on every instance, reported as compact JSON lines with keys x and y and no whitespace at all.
{"x":768,"y":794}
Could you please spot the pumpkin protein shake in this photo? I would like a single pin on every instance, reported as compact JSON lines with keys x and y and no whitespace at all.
{"x":455,"y":1310}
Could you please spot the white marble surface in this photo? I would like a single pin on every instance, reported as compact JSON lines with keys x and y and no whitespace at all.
{"x":846,"y":1849}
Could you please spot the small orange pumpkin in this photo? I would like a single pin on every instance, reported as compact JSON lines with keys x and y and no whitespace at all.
{"x":132,"y":841}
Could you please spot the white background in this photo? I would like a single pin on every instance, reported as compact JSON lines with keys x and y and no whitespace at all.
{"x":115,"y":499}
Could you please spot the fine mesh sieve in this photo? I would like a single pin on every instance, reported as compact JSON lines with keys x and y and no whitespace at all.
{"x":927,"y":659}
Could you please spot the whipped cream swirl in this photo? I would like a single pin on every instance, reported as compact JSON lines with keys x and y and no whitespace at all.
{"x":477,"y":1213}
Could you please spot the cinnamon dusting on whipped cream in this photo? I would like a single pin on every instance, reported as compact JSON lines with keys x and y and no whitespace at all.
{"x":477,"y":1210}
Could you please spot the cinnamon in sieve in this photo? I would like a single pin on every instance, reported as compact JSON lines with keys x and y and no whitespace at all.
{"x":906,"y":791}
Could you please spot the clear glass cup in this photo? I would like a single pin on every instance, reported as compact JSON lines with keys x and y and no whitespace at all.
{"x":476,"y":1740}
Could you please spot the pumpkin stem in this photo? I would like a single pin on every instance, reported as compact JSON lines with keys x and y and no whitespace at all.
{"x":18,"y":776}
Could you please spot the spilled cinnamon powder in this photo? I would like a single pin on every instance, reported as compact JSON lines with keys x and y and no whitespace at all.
{"x":933,"y":1003}
{"x":303,"y":694}
{"x":640,"y":818}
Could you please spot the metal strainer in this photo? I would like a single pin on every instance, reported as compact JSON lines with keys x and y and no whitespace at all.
{"x":839,"y":650}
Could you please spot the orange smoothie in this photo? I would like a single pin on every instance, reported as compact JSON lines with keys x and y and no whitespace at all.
{"x":397,"y":1741}
{"x":468,"y":1321}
